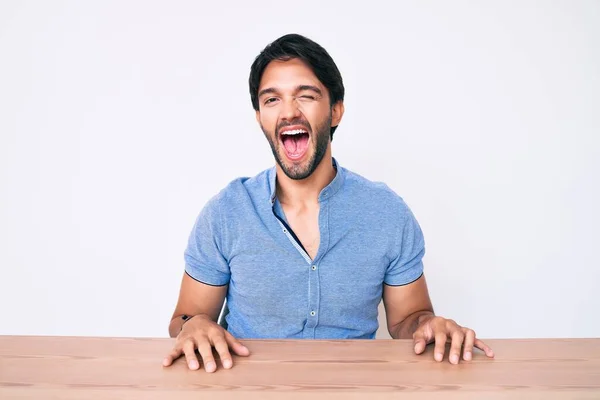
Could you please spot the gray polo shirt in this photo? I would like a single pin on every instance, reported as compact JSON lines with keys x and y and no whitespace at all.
{"x":368,"y":238}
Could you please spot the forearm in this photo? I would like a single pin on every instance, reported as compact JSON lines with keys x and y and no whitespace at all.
{"x":406,"y":328}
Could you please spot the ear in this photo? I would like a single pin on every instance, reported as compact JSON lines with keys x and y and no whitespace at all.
{"x":258,"y":116}
{"x":337,"y":112}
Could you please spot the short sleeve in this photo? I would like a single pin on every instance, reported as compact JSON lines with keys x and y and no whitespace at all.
{"x":204,"y":260}
{"x":407,"y":267}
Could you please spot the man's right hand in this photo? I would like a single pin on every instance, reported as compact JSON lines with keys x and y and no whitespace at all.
{"x":201,"y":333}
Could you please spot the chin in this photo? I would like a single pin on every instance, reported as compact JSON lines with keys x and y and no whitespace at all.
{"x":296,"y":170}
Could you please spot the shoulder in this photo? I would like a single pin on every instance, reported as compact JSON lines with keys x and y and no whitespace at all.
{"x":238,"y":192}
{"x":375,"y":194}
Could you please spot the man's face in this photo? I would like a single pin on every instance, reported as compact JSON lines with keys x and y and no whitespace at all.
{"x":295,"y":115}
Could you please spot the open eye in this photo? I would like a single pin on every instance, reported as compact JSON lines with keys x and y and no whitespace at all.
{"x":270,"y":100}
{"x":307,"y":96}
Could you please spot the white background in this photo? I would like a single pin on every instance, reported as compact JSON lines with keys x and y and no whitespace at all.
{"x":120,"y":119}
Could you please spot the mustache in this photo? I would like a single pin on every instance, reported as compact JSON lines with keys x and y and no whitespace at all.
{"x":297,"y":121}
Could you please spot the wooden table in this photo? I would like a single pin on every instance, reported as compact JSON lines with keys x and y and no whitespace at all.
{"x":128,"y":368}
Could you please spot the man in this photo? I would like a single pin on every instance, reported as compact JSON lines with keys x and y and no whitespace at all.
{"x":306,"y":249}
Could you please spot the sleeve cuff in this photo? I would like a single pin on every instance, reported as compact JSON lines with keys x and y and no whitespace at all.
{"x":207,"y":279}
{"x":405,"y":278}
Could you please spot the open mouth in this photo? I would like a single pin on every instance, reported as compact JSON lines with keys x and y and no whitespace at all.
{"x":295,"y":142}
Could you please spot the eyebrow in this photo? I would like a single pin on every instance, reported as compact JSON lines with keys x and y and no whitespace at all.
{"x":309,"y":87}
{"x":299,"y":88}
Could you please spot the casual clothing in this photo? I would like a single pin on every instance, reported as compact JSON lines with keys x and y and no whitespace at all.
{"x":368,"y":237}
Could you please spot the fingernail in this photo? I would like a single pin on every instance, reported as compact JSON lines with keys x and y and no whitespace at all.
{"x":438,"y":356}
{"x":210,"y":366}
{"x":227,"y":363}
{"x":468,"y":355}
{"x":454,"y":359}
{"x":165,"y":361}
{"x":193,"y":365}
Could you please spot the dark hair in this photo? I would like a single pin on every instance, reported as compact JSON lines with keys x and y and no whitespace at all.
{"x":297,"y":46}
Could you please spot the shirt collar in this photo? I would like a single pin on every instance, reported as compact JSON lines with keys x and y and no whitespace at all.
{"x":327,"y":192}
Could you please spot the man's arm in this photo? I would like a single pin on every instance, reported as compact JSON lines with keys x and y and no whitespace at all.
{"x":405,"y":307}
{"x":196,"y":298}
{"x":203,"y":303}
{"x":410,"y":314}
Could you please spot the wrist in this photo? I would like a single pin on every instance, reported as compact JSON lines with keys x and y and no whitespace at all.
{"x":408,"y":326}
{"x":424,"y":317}
{"x":177,"y":323}
{"x":185,"y":318}
{"x":419,"y":319}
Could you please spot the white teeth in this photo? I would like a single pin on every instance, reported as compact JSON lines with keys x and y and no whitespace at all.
{"x":294,"y":132}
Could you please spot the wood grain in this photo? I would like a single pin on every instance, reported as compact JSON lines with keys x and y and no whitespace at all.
{"x":38,"y":367}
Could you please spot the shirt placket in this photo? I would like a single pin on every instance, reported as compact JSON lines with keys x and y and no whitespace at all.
{"x":314,"y":287}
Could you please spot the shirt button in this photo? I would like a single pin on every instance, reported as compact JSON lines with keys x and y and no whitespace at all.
{"x":285,"y":231}
{"x":314,"y":267}
{"x":312,"y":313}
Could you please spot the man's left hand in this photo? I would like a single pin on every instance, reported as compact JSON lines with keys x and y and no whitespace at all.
{"x":442,"y":330}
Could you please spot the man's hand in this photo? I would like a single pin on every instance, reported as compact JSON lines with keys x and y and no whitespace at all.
{"x":201,"y":333}
{"x":442,"y":330}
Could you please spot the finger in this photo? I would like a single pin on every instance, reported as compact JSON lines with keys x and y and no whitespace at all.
{"x":480,"y":345}
{"x":236,"y":346}
{"x":440,"y":346}
{"x":457,"y":340}
{"x":190,"y":354}
{"x":468,"y":345}
{"x":205,"y":350}
{"x":419,"y":342}
{"x":223,"y":350}
{"x":172,"y":356}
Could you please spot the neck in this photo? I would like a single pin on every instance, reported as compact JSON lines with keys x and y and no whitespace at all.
{"x":305,"y":192}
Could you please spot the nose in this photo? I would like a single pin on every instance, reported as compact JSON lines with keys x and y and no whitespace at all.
{"x":290,"y":109}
